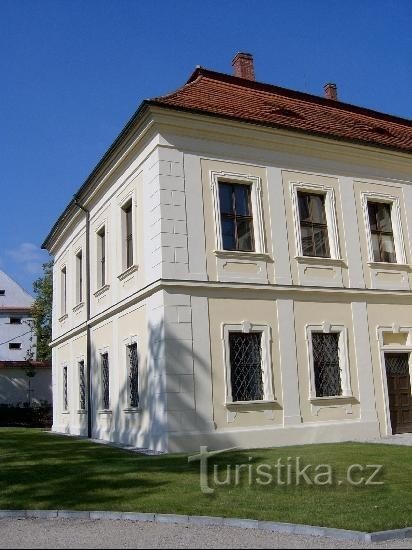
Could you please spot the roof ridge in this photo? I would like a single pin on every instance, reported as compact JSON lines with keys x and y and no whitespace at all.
{"x":295,"y":94}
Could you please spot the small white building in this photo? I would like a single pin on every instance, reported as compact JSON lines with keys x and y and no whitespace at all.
{"x":16,"y":339}
{"x":250,"y":272}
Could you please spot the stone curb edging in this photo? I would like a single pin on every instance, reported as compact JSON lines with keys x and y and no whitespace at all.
{"x":271,"y":526}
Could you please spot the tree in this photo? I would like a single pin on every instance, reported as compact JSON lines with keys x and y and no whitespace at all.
{"x":42,"y":312}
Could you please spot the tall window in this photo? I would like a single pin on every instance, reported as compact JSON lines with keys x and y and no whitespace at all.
{"x":105,"y":381}
{"x":63,"y":287}
{"x":79,"y":277}
{"x":133,"y":361}
{"x":128,"y":234}
{"x":82,"y":386}
{"x":313,"y":225}
{"x":326,"y":364}
{"x":380,"y":222}
{"x":246,"y":366}
{"x":101,"y":257}
{"x":236,"y":217}
{"x":65,"y":394}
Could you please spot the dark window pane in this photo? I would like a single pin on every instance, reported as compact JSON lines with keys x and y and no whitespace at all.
{"x":246,"y":366}
{"x":388,"y":249}
{"x":372,"y":216}
{"x":226,"y":198}
{"x":105,"y":381}
{"x":326,"y":364}
{"x":242,"y":200}
{"x":228,"y":234}
{"x":317,"y":208}
{"x":383,"y":216}
{"x":375,"y":247}
{"x":133,"y":376}
{"x":245,"y":235}
{"x":304,"y":212}
{"x":307,"y":241}
{"x":320,"y":236}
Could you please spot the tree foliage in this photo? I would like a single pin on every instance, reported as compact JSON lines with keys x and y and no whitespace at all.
{"x":42,"y":312}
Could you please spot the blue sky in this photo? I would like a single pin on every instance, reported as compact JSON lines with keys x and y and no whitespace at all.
{"x":74,"y":71}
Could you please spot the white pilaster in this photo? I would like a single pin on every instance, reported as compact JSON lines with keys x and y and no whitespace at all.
{"x":351,"y":233}
{"x":288,"y":362}
{"x":278,"y":227}
{"x":364,"y":362}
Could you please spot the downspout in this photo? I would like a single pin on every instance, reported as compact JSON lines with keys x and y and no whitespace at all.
{"x":88,"y":340}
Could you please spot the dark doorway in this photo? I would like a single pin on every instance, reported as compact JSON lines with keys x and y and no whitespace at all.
{"x":399,"y":391}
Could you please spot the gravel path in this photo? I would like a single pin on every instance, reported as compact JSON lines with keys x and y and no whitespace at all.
{"x":70,"y":533}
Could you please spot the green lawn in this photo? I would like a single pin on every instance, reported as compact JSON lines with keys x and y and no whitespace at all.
{"x":42,"y":471}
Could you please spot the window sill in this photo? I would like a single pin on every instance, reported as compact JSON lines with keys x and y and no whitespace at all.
{"x":101,"y":291}
{"x":65,"y":412}
{"x":315,"y":260}
{"x":389,"y":265}
{"x":104,"y":411}
{"x":240,"y":255}
{"x":81,"y":412}
{"x":334,"y":398}
{"x":252,"y":405}
{"x":78,"y":308}
{"x":129,"y":271}
{"x":63,"y":318}
{"x":132,"y":410}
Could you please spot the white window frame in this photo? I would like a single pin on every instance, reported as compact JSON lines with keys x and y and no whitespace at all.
{"x":327,"y":328}
{"x":255,"y":184}
{"x":330,"y":212}
{"x":267,"y":377}
{"x":394,"y":203}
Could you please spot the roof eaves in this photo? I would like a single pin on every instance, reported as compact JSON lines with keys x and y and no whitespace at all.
{"x":325,"y":135}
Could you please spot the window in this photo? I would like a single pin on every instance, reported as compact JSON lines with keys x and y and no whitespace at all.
{"x":105,"y":381}
{"x":133,"y":375}
{"x":236,"y":217}
{"x":326,"y":364}
{"x":246,"y":366}
{"x":101,"y":257}
{"x":15,"y":320}
{"x":63,"y":287}
{"x":65,"y":393}
{"x":328,"y":358}
{"x":82,"y":386}
{"x":313,"y":225}
{"x":2,"y":292}
{"x":15,"y":345}
{"x":128,"y":234}
{"x":79,"y":277}
{"x":384,"y":238}
{"x":380,"y":223}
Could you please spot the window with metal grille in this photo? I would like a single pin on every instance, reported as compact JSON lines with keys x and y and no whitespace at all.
{"x":82,"y":386}
{"x":105,"y":381}
{"x":65,"y":394}
{"x":128,"y":233}
{"x":246,"y":366}
{"x":133,"y":360}
{"x":101,"y":257}
{"x":380,"y":222}
{"x":313,"y":225}
{"x":236,"y":217}
{"x":326,"y":365}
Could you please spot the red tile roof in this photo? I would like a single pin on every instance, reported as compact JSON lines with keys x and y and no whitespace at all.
{"x":218,"y":94}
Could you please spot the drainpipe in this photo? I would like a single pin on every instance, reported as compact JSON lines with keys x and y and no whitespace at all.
{"x":88,"y":341}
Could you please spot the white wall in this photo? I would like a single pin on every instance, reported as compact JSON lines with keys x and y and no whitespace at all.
{"x":14,"y":386}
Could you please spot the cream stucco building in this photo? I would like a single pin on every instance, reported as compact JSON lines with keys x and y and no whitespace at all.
{"x":237,"y":271}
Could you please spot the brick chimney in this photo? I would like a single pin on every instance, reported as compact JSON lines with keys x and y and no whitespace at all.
{"x":243,"y":66}
{"x":331,"y":91}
